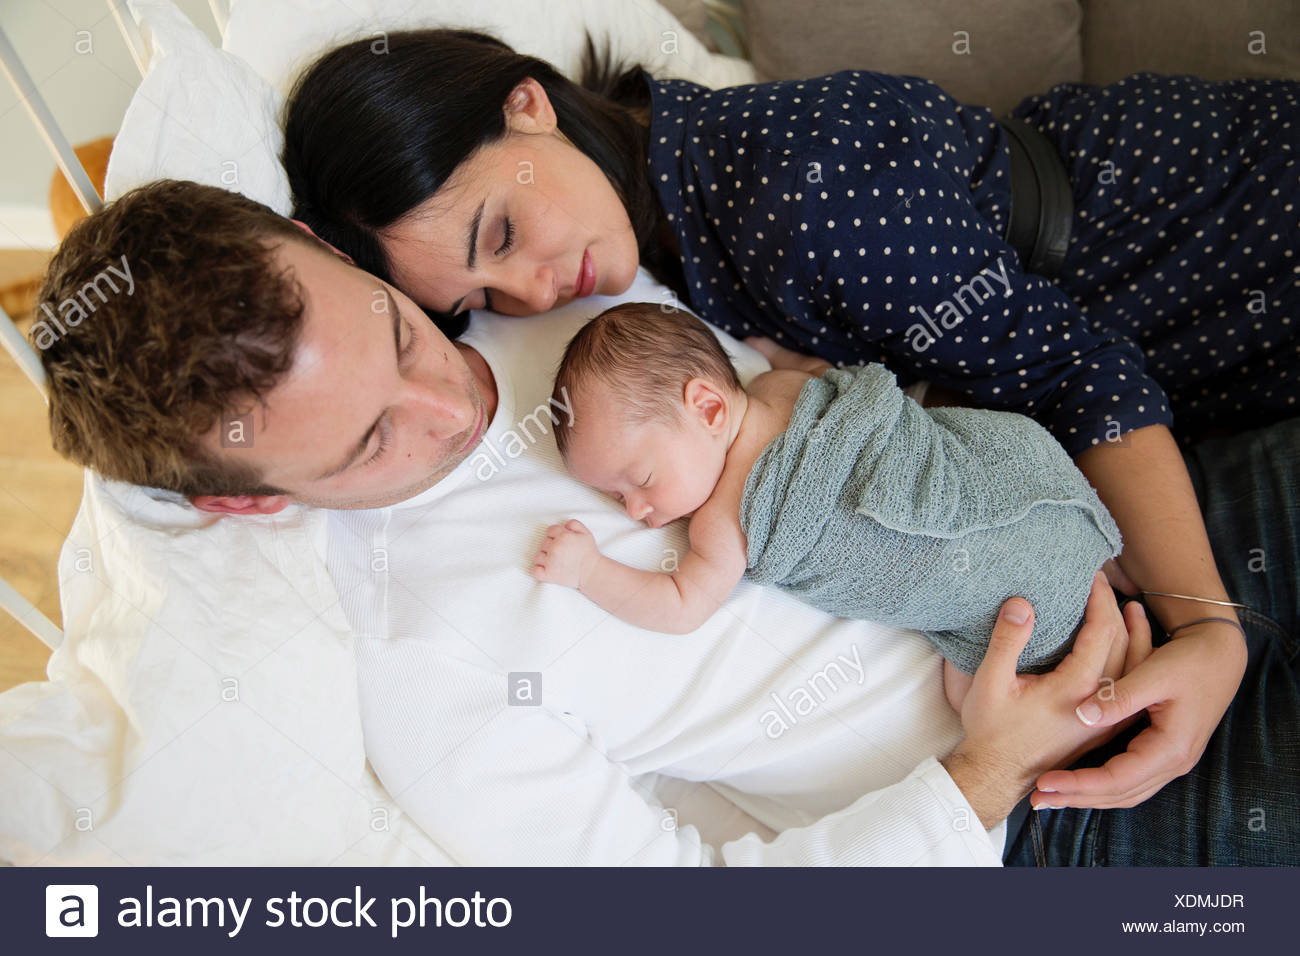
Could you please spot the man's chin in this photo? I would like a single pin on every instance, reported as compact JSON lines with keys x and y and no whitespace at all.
{"x":383,"y":499}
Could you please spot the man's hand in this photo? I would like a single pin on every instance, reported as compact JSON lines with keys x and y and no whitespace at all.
{"x":1018,"y":725}
{"x":1185,"y":686}
{"x":567,"y":556}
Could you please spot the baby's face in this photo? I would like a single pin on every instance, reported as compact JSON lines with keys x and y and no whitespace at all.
{"x":659,"y":472}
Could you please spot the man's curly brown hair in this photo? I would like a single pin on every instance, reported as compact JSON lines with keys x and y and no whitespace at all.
{"x":209,"y":328}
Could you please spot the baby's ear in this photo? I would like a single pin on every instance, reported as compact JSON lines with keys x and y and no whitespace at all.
{"x":705,"y":403}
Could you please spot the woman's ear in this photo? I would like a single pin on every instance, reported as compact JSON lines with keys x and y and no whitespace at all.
{"x":528,"y":108}
{"x":706,"y":404}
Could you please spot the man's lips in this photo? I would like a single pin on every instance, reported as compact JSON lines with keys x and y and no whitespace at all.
{"x":586,"y":283}
{"x":474,"y":436}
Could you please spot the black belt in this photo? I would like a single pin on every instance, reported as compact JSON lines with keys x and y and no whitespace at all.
{"x":1042,"y":206}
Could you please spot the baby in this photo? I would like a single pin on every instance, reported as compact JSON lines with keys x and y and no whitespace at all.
{"x":837,"y":488}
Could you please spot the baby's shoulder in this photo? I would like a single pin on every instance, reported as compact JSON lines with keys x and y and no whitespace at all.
{"x":778,"y":386}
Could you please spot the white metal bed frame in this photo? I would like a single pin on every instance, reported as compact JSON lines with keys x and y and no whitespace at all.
{"x":14,"y":342}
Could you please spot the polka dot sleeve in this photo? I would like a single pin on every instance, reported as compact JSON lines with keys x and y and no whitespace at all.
{"x":892,"y":249}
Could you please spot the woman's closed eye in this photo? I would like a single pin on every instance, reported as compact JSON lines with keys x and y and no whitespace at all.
{"x":507,"y":244}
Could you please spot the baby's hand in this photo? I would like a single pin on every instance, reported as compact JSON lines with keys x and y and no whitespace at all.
{"x":567,"y":556}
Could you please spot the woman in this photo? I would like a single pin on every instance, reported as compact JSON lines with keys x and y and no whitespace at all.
{"x":858,"y":217}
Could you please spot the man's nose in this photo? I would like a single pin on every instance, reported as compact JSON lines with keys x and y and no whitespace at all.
{"x":444,"y":408}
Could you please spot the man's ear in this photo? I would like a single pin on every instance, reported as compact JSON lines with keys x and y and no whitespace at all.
{"x":337,"y":251}
{"x":241,"y":504}
{"x":705,"y":403}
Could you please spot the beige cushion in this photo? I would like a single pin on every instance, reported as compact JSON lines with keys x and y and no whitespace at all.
{"x":1016,"y":47}
{"x":1208,"y":38}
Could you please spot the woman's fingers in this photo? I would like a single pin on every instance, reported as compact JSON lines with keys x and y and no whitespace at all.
{"x":1116,"y":700}
{"x":1124,"y":780}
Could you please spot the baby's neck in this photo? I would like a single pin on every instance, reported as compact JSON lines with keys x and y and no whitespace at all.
{"x":740,"y":408}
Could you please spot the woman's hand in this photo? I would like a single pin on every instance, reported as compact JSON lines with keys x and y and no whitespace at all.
{"x":1188,"y":683}
{"x":1182,"y":686}
{"x":778,"y":356}
{"x":1020,"y":725}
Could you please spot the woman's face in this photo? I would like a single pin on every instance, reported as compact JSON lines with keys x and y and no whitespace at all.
{"x":525,"y":224}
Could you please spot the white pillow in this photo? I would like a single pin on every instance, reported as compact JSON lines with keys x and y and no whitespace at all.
{"x":213,"y":115}
{"x":199,"y":114}
{"x":278,"y":38}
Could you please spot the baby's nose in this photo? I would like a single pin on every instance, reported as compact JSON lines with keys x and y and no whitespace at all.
{"x":637,"y":510}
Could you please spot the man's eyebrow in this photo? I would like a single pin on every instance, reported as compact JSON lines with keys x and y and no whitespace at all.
{"x":471,"y":241}
{"x":360,"y":447}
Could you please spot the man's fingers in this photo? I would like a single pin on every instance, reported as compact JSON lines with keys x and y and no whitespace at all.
{"x":1102,"y":623}
{"x":1139,"y":635}
{"x":1118,"y":579}
{"x":1011,"y":633}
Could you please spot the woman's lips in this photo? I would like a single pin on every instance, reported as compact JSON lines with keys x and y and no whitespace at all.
{"x":586,"y":283}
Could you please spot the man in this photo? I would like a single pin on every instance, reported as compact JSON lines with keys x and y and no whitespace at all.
{"x":251,"y":366}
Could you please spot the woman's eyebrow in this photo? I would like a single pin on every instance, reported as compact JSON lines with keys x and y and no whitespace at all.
{"x":472,"y":237}
{"x":471,"y":257}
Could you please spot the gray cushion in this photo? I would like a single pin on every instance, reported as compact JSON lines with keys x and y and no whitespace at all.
{"x":1208,"y":38}
{"x":987,"y":52}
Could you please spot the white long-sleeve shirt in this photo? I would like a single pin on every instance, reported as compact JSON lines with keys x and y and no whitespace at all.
{"x":825,"y":730}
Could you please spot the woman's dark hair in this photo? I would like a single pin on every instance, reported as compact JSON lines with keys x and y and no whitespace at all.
{"x":371,"y":132}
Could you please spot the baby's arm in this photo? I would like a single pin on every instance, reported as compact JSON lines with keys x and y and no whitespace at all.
{"x":674,"y":602}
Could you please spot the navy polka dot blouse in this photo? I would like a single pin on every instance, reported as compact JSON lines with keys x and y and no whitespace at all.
{"x":859,"y":217}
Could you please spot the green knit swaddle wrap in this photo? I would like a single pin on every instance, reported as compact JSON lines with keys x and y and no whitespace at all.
{"x":869,"y":506}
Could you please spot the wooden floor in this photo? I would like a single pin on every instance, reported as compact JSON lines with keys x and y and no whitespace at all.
{"x":39,"y":495}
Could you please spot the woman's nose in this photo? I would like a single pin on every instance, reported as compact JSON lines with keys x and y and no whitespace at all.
{"x":529,"y":294}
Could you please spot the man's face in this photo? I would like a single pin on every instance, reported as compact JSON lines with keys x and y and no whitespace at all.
{"x":378,"y":404}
